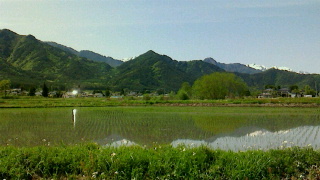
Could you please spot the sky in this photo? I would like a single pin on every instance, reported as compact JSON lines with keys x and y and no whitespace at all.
{"x":265,"y":32}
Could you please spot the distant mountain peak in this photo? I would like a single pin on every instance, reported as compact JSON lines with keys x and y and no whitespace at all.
{"x":7,"y":31}
{"x":150,"y":52}
{"x":233,"y":67}
{"x":210,"y":60}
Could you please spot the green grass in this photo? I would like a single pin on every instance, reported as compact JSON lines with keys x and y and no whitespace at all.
{"x":30,"y":102}
{"x":91,"y":161}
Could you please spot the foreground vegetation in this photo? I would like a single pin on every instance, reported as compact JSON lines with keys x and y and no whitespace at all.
{"x":91,"y":161}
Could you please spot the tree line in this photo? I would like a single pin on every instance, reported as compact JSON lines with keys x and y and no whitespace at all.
{"x":218,"y":85}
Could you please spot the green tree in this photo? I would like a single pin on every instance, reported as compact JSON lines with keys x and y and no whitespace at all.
{"x":309,"y":91}
{"x":182,"y":95}
{"x":32,"y":91}
{"x":123,"y":92}
{"x":59,"y":94}
{"x":293,"y":87}
{"x":45,"y":90}
{"x":269,"y":86}
{"x":5,"y":85}
{"x":108,"y":93}
{"x":185,"y":92}
{"x":218,"y":86}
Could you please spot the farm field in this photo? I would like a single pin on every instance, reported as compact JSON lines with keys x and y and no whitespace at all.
{"x":226,"y":128}
{"x":158,"y":142}
{"x":40,"y":102}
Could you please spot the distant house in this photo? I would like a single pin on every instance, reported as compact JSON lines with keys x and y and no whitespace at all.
{"x":69,"y":95}
{"x":132,"y":93}
{"x":283,"y":92}
{"x":84,"y":94}
{"x":15,"y":91}
{"x":267,"y":93}
{"x":24,"y":93}
{"x":98,"y":95}
{"x":52,"y":94}
{"x":39,"y":93}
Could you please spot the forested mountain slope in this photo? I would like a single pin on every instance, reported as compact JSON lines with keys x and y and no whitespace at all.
{"x":26,"y":55}
{"x":154,"y":71}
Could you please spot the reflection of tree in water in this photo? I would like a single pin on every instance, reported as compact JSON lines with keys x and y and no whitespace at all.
{"x":284,"y":121}
{"x":235,"y":123}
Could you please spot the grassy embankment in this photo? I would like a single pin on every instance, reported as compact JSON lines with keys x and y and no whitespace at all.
{"x":92,"y":161}
{"x":31,"y":102}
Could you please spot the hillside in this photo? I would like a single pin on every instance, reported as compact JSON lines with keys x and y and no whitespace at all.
{"x":233,"y":67}
{"x":152,"y":71}
{"x":35,"y":61}
{"x":280,"y":78}
{"x":88,"y":54}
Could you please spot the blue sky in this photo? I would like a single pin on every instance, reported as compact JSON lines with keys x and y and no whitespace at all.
{"x":270,"y":32}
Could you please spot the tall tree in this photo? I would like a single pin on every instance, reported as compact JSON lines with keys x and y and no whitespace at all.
{"x":219,"y":86}
{"x":108,"y":93}
{"x":32,"y":91}
{"x":5,"y":85}
{"x":45,"y":90}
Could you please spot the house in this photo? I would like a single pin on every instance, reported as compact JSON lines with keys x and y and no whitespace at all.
{"x":69,"y":95}
{"x":52,"y":94}
{"x":267,"y":93}
{"x":283,"y":92}
{"x":15,"y":91}
{"x":98,"y":95}
{"x":84,"y":94}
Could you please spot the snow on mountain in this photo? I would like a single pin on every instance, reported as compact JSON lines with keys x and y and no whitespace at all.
{"x":264,"y":68}
{"x":128,"y":59}
{"x":282,"y":68}
{"x":258,"y":67}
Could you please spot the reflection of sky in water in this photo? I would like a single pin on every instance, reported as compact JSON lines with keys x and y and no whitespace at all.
{"x":261,"y":139}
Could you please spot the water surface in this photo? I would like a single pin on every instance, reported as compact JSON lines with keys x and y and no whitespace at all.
{"x":230,"y":128}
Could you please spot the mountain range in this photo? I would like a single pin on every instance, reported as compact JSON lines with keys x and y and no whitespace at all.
{"x":28,"y":62}
{"x":232,"y":67}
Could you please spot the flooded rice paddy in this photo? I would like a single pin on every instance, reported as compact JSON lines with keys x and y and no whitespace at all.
{"x":227,"y":128}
